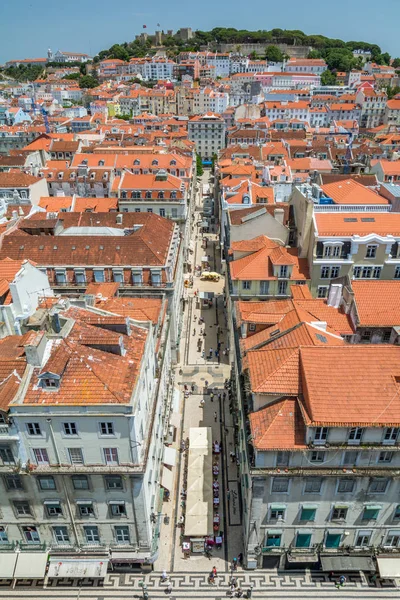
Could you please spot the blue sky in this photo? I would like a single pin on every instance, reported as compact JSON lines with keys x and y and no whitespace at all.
{"x":29,"y":27}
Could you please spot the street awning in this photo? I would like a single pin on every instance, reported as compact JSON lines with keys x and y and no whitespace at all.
{"x":389,"y":567}
{"x":7,"y":564}
{"x":31,"y":565}
{"x":199,"y":498}
{"x":206,"y":295}
{"x":82,"y":567}
{"x":347,"y":563}
{"x":167,"y":479}
{"x":169,"y":456}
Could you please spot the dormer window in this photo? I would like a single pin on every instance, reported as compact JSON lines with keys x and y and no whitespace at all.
{"x":50,"y":383}
{"x":101,"y":163}
{"x":136,"y":162}
{"x":161,"y":195}
{"x":155,"y":162}
{"x":173,"y":195}
{"x":172,"y":163}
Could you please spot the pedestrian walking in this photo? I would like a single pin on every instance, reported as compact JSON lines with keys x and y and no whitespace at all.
{"x":215,"y":416}
{"x":164,"y":576}
{"x":210,"y":353}
{"x":206,"y":383}
{"x":192,"y":388}
{"x":169,"y":586}
{"x":203,"y":354}
{"x":212,"y":396}
{"x":219,"y":396}
{"x":214,"y":571}
{"x":228,"y":494}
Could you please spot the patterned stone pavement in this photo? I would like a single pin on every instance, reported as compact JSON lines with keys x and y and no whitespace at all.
{"x":296,"y":585}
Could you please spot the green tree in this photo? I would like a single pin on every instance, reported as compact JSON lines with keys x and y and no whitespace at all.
{"x":273,"y":54}
{"x":314,"y":54}
{"x":328,"y":78}
{"x":88,"y":81}
{"x":73,"y":76}
{"x":391,"y":91}
{"x":199,"y":166}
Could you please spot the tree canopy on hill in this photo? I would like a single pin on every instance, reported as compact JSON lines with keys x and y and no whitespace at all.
{"x":337,"y":53}
{"x":24,"y":72}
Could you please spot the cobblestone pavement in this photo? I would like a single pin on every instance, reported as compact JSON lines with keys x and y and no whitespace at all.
{"x":296,"y":585}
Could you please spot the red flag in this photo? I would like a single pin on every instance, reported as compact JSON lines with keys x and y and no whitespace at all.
{"x":144,"y":26}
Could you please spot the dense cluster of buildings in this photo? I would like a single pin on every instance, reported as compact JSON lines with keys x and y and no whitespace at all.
{"x":95,"y":223}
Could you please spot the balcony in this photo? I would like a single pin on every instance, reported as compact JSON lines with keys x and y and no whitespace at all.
{"x":8,"y":432}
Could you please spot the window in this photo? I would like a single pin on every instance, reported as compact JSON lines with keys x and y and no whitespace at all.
{"x":317,"y":456}
{"x":322,"y":291}
{"x":385,"y":457}
{"x":106,"y":428}
{"x":339,"y":513}
{"x":303,"y":540}
{"x":376,"y":272}
{"x":246,"y":285}
{"x":6,"y":455}
{"x":346,"y":485}
{"x":350,"y":457}
{"x":137,"y":278}
{"x":252,"y":326}
{"x":13,"y":482}
{"x":363,"y":539}
{"x":378,"y":485}
{"x":325,"y":272}
{"x":3,"y":535}
{"x":80,"y":482}
{"x":70,"y":429}
{"x":392,"y":539}
{"x":396,"y":515}
{"x":357,"y":272}
{"x":390,"y":436}
{"x":280,"y":485}
{"x":41,"y":456}
{"x":149,"y":210}
{"x":283,"y":271}
{"x":371,"y":252}
{"x":117,"y":509}
{"x":313,"y":485}
{"x":366,"y":272}
{"x":46,"y":482}
{"x":386,"y":337}
{"x":321,"y":435}
{"x":366,"y":335}
{"x":98,"y":275}
{"x":264,"y":287}
{"x":162,"y":212}
{"x":91,"y":534}
{"x":60,"y":534}
{"x":110,"y":456}
{"x":50,"y":383}
{"x":308,"y":513}
{"x":113,"y":482}
{"x":277,"y":511}
{"x":75,"y":456}
{"x":122,"y":534}
{"x":335,"y":272}
{"x":355,"y":435}
{"x":282,"y":458}
{"x":85,"y":508}
{"x":33,"y":429}
{"x":282,"y":287}
{"x":397,"y":272}
{"x":22,"y":508}
{"x":31,"y":535}
{"x":61,"y":277}
{"x":80,"y":277}
{"x":53,"y":508}
{"x":273,"y":539}
{"x":333,"y":540}
{"x":371,"y":513}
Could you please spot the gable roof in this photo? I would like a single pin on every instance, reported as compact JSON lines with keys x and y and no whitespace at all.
{"x":351,"y":191}
{"x":278,"y":426}
{"x":377,"y":303}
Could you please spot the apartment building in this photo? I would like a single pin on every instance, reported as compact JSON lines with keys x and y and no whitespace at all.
{"x":140,"y":251}
{"x":308,"y":65}
{"x":260,"y":268}
{"x":83,"y":441}
{"x":22,"y":188}
{"x":208,"y":133}
{"x":373,"y":106}
{"x":158,"y":69}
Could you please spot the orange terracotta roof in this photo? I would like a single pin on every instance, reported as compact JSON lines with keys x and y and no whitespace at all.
{"x":349,"y":224}
{"x":274,"y":371}
{"x":278,"y":426}
{"x":56,"y":203}
{"x":377,"y":303}
{"x":350,"y":191}
{"x":103,"y":290}
{"x":300,"y":292}
{"x":362,"y":389}
{"x":259,"y":266}
{"x":139,"y":309}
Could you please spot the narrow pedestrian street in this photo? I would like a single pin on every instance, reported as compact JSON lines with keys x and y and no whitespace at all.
{"x":202,"y":401}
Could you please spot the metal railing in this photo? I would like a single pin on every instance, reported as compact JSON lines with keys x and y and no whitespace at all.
{"x":352,"y":208}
